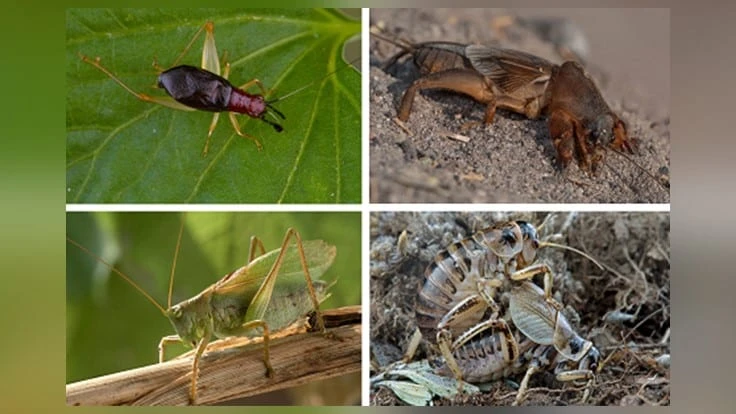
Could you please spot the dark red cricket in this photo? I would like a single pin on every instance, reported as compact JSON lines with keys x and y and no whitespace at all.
{"x":201,"y":89}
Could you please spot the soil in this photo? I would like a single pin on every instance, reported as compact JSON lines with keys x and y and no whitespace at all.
{"x":624,"y":310}
{"x":512,"y":160}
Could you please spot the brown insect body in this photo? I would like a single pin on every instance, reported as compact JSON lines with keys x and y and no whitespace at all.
{"x":544,"y":338}
{"x":579,"y":119}
{"x":481,"y":359}
{"x":472,"y":268}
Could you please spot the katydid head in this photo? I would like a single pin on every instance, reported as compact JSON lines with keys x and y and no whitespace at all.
{"x":191,"y":318}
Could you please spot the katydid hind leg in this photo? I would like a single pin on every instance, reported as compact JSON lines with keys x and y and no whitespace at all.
{"x":259,"y":304}
{"x":249,"y":326}
{"x":255,"y":243}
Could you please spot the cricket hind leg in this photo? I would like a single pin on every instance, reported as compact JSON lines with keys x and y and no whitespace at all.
{"x":166,"y":101}
{"x":266,"y":334}
{"x":292,"y":233}
{"x":255,"y":243}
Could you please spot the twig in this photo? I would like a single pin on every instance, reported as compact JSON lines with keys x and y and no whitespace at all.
{"x":233,"y":368}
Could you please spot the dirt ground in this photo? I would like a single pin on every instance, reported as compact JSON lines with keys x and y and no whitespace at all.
{"x":513,"y":159}
{"x":624,"y":310}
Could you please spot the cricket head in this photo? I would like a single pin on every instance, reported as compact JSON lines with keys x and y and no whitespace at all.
{"x":530,"y":242}
{"x":191,"y":319}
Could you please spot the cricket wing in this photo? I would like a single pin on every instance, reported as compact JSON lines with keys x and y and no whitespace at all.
{"x":509,"y":69}
{"x":256,"y":281}
{"x":531,"y":313}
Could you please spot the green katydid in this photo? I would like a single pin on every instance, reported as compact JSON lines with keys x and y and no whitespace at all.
{"x":265,"y":295}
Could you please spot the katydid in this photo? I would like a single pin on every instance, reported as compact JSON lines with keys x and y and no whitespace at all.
{"x":266,"y":295}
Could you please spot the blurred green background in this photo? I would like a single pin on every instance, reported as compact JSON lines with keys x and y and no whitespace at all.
{"x":112,"y":327}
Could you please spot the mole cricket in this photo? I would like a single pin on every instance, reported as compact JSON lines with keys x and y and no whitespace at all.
{"x":271,"y":291}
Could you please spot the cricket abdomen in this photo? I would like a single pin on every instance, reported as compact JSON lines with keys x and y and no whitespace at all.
{"x":287,"y":308}
{"x":196,"y":88}
{"x":284,"y":308}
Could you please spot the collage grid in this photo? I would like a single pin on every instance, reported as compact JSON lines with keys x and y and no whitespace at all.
{"x":422,"y":189}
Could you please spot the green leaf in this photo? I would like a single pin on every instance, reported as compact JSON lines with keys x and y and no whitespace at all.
{"x":123,"y":150}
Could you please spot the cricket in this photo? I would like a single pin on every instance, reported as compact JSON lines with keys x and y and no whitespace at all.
{"x":271,"y":291}
{"x":208,"y":89}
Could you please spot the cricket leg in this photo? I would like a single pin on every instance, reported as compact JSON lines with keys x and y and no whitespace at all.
{"x":216,"y":115}
{"x":466,"y":311}
{"x":236,"y":127}
{"x":210,"y":61}
{"x":166,"y":101}
{"x":533,"y":270}
{"x":578,"y":374}
{"x":561,"y":129}
{"x":261,"y":299}
{"x":255,"y":243}
{"x":533,"y":368}
{"x":256,"y":82}
{"x":195,"y":367}
{"x":411,"y":349}
{"x":248,"y":327}
{"x":166,"y":340}
{"x":509,"y":347}
{"x":465,"y":81}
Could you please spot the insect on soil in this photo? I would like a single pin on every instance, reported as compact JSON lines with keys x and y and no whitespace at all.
{"x":634,"y":250}
{"x":514,"y":158}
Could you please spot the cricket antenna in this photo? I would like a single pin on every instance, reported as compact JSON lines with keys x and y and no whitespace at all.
{"x":294,"y":92}
{"x":121,"y":274}
{"x":639,"y":167}
{"x":572,"y":249}
{"x":176,"y":257}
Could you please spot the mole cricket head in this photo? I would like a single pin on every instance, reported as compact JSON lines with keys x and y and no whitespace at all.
{"x":601,"y":130}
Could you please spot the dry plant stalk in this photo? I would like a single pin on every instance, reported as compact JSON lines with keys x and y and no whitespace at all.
{"x":233,"y":370}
